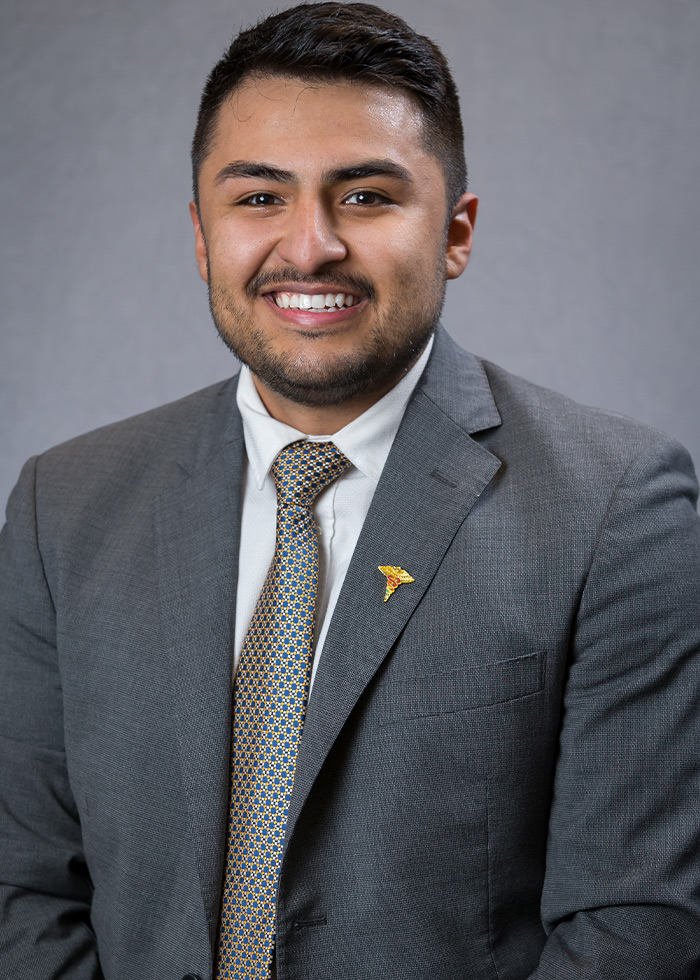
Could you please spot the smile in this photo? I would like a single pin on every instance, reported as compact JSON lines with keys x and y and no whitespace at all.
{"x":316,"y":302}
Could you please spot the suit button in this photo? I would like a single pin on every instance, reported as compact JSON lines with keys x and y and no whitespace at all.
{"x":191,"y":976}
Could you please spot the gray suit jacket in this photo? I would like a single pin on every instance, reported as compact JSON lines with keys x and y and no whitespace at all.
{"x":499,"y":776}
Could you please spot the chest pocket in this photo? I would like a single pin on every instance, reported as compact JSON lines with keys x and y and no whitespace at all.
{"x":461,"y":690}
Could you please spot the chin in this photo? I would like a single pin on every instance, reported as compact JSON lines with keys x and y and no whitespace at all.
{"x":313,"y":379}
{"x":319,"y":386}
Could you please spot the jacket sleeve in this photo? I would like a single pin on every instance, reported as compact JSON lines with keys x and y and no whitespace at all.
{"x":45,"y":887}
{"x":621,"y":897}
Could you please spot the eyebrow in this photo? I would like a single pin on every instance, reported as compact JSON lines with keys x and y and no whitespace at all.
{"x":368,"y":168}
{"x":357,"y":171}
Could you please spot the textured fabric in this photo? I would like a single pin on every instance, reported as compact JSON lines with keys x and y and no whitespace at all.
{"x":499,"y":773}
{"x":339,"y":512}
{"x":270,"y":695}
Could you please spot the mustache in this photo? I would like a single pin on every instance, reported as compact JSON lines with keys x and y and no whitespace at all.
{"x":340,"y":282}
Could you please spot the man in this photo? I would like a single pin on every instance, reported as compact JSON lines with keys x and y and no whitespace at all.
{"x":490,"y":592}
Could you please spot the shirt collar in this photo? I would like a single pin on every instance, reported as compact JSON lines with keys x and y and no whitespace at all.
{"x":366,"y":441}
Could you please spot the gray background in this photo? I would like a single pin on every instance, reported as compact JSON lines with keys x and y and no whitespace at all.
{"x":583,"y":132}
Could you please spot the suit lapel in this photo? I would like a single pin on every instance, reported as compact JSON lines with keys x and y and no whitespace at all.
{"x":197,"y":531}
{"x":433,"y":476}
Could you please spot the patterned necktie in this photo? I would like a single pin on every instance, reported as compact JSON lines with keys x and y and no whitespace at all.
{"x":269,"y":704}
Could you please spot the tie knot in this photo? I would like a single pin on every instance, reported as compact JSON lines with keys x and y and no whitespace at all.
{"x":303,"y":469}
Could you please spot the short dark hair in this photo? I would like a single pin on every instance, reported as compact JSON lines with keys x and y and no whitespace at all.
{"x":334,"y":41}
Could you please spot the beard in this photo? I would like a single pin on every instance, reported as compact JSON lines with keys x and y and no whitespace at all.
{"x":397,"y":339}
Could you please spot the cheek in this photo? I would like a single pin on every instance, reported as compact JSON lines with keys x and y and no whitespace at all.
{"x":238,"y":253}
{"x":419,"y":263}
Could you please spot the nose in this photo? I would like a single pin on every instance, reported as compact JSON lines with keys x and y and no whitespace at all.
{"x":310,"y":239}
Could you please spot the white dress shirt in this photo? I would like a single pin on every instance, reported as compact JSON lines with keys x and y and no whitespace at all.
{"x":339,"y":510}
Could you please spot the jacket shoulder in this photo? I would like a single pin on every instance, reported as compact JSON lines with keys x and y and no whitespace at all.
{"x":152,"y":438}
{"x":532,"y":412}
{"x":134,"y":459}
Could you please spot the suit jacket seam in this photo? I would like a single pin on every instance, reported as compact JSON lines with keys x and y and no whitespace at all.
{"x":37,"y":536}
{"x":488,"y":880}
{"x":605,"y":522}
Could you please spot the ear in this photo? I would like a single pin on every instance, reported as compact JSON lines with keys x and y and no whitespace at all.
{"x":460,"y":233}
{"x":200,"y":246}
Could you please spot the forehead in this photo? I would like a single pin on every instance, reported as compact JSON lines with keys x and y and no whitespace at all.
{"x":288,"y":120}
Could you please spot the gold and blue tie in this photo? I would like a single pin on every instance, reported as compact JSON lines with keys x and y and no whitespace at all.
{"x":269,"y":704}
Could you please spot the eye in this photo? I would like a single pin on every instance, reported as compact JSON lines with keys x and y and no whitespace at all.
{"x":366,"y":198}
{"x":261,"y":200}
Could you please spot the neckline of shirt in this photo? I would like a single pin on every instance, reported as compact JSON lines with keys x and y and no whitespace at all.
{"x":366,"y":441}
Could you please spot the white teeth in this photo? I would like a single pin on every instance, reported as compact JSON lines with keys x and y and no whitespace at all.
{"x":314,"y":301}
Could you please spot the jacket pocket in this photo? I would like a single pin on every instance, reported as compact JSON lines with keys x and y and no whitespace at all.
{"x":461,"y":690}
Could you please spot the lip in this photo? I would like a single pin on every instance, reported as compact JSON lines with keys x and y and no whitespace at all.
{"x":294,"y":287}
{"x":307,"y":319}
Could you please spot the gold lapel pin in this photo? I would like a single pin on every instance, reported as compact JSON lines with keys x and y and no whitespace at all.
{"x":394,"y":577}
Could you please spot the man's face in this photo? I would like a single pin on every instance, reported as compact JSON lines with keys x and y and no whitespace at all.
{"x":324,"y":237}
